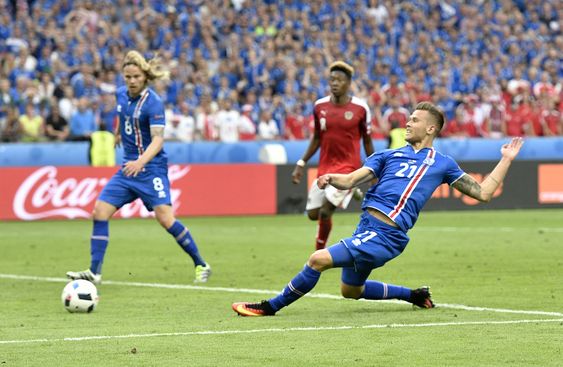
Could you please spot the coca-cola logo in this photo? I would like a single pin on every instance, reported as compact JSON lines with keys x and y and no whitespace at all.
{"x":43,"y":195}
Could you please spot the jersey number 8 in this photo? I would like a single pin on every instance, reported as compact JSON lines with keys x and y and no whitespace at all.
{"x":128,"y":126}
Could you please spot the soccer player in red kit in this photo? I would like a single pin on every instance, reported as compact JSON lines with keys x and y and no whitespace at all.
{"x":341,"y":121}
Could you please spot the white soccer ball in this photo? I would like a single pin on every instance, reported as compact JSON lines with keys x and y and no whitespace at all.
{"x":80,"y":296}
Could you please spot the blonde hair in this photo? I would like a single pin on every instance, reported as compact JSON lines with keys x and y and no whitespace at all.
{"x":343,"y":67}
{"x":152,"y":68}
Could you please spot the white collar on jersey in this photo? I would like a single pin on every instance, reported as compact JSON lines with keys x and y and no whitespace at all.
{"x":416,"y":151}
{"x":138,"y":96}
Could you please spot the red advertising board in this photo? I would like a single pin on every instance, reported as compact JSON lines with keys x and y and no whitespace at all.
{"x":550,"y":183}
{"x":33,"y":193}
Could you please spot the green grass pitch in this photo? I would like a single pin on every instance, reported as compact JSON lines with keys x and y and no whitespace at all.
{"x":496,"y":276}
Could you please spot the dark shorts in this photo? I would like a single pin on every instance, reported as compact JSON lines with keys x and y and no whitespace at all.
{"x":152,"y":186}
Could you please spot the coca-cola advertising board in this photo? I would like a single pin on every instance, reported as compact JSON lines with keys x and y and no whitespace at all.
{"x":49,"y":192}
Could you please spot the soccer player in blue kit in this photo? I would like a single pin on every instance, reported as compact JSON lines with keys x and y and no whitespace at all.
{"x":144,"y":173}
{"x":407,"y":178}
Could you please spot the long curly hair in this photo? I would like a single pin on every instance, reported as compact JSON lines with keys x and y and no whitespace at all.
{"x":152,"y":68}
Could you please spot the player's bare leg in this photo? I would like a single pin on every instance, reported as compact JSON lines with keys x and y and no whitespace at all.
{"x":313,"y":214}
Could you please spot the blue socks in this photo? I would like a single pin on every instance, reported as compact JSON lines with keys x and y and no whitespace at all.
{"x":100,"y":238}
{"x":296,"y":288}
{"x":379,"y":290}
{"x":186,"y":242}
{"x":98,"y":245}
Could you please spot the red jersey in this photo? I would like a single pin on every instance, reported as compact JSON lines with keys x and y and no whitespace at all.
{"x":340,"y":129}
{"x":377,"y":131}
{"x":399,"y":115}
{"x":552,"y":120}
{"x":515,"y":121}
{"x":295,"y":127}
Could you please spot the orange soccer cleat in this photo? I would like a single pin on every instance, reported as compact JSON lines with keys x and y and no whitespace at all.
{"x":253,"y":309}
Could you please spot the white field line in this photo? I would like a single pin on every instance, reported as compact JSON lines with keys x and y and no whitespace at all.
{"x":273,"y":292}
{"x":277,"y":330}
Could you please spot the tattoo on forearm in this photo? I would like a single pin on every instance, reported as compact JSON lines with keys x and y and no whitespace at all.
{"x":468,"y":186}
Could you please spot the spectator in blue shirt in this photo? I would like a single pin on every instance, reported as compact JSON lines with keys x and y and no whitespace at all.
{"x":82,"y":122}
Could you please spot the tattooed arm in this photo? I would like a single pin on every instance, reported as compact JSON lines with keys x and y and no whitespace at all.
{"x":470,"y":187}
{"x":133,"y":168}
{"x":484,"y":191}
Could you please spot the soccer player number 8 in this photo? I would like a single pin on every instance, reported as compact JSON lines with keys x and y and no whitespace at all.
{"x":128,"y":126}
{"x":157,"y":184}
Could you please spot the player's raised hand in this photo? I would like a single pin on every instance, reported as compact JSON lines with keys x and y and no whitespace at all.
{"x":323,"y":181}
{"x":512,"y":149}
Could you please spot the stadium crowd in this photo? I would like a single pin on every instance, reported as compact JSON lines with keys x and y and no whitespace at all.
{"x":250,"y":69}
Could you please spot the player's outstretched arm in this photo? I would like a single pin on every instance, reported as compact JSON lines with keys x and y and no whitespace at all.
{"x":484,"y":191}
{"x":345,"y":182}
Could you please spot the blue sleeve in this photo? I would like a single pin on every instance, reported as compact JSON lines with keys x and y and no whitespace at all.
{"x":376,"y":162}
{"x":453,"y":172}
{"x":156,"y":113}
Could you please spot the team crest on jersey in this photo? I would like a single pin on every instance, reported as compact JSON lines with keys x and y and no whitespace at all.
{"x":119,"y":108}
{"x":348,"y":115}
{"x":429,"y":161}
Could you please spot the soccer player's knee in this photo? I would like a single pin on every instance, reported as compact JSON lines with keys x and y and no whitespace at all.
{"x":165,"y":221}
{"x":325,"y":214}
{"x":313,"y":214}
{"x":350,"y":292}
{"x":319,"y":261}
{"x":100,"y":213}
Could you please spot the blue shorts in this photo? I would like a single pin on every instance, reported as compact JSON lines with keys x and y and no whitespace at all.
{"x":372,"y":245}
{"x":151,"y":185}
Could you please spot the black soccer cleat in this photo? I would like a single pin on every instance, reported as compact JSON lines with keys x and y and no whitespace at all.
{"x":253,"y":309}
{"x":422,"y":297}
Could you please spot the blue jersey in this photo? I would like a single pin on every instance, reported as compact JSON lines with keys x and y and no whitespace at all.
{"x":407,"y":180}
{"x":136,"y":116}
